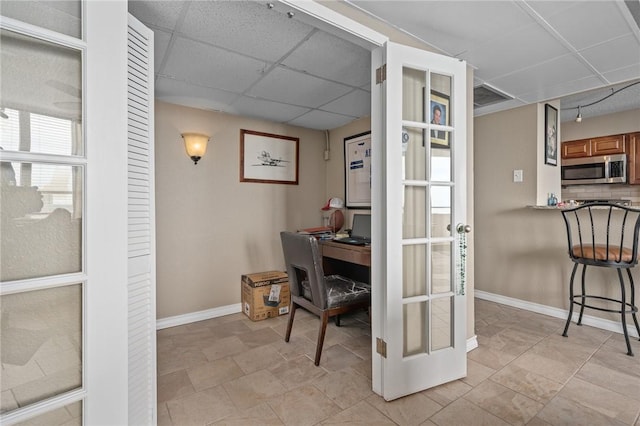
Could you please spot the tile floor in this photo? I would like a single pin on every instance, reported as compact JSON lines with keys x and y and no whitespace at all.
{"x":231,"y":371}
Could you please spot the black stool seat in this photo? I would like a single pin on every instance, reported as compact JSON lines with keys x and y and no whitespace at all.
{"x":603,"y":235}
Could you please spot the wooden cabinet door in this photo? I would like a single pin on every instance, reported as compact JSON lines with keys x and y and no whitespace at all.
{"x":607,"y":145}
{"x":576,"y":149}
{"x":634,"y":158}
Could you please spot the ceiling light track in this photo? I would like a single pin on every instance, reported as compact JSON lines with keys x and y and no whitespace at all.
{"x":613,"y":92}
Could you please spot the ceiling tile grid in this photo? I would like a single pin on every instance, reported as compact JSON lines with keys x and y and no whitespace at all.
{"x":244,"y":58}
{"x":613,"y":54}
{"x":274,"y":111}
{"x":291,"y":87}
{"x":586,"y":23}
{"x":348,"y":64}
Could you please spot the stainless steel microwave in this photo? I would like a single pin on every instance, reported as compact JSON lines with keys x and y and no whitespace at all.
{"x":590,"y":170}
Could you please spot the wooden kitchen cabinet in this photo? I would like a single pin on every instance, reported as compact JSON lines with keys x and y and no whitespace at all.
{"x":608,"y":145}
{"x":633,"y":163}
{"x":576,"y":149}
{"x":605,"y":145}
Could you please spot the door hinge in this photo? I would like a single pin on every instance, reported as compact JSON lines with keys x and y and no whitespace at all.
{"x":381,"y":74}
{"x":381,"y":347}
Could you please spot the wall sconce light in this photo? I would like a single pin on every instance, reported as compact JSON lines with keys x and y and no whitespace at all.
{"x":196,"y":145}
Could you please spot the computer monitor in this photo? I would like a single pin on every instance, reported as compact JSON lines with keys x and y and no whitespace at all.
{"x":361,"y":226}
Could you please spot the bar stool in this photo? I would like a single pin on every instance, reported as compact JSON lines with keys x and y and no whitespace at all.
{"x":603,"y":235}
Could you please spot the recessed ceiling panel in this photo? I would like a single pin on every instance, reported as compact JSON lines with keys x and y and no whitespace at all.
{"x":349,"y":64}
{"x":618,"y":53}
{"x":515,"y":51}
{"x":247,"y":27}
{"x":603,"y":22}
{"x":356,"y":104}
{"x":291,"y":87}
{"x":162,"y":14}
{"x":181,"y":93}
{"x":321,"y":120}
{"x":267,"y":110}
{"x":536,"y":78}
{"x":514,"y":103}
{"x":212,"y":67}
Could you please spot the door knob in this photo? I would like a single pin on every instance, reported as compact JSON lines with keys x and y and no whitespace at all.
{"x":463,"y":228}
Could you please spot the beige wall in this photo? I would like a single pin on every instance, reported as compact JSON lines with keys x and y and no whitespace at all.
{"x":604,"y":125}
{"x":521,"y":252}
{"x":211,"y":228}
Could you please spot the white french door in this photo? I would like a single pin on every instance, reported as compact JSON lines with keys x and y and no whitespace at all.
{"x":419,"y":219}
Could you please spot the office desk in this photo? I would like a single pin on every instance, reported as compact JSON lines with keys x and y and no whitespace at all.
{"x":348,"y":260}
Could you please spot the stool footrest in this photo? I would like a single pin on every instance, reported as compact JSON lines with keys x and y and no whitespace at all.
{"x":633,"y":309}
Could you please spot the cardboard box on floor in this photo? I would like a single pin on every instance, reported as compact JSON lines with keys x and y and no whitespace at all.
{"x":265,"y":295}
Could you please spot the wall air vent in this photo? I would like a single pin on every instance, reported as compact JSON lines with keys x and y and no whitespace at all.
{"x":484,"y":95}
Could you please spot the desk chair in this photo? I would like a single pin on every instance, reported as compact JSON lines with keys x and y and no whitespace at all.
{"x":603,"y":235}
{"x":325,"y":296}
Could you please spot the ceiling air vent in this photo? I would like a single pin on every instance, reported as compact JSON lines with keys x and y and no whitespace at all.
{"x":484,"y":95}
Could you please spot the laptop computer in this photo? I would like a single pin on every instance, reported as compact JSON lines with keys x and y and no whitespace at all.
{"x":360,"y":231}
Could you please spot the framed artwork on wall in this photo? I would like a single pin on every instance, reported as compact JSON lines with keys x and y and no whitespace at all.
{"x":357,"y":162}
{"x":268,"y":158}
{"x":550,"y":135}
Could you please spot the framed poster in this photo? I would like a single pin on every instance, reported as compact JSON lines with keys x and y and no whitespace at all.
{"x":267,"y":158}
{"x":357,"y":162}
{"x":550,"y":135}
{"x":439,"y":114}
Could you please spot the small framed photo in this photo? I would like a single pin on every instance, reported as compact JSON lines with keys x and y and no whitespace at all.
{"x":439,"y":114}
{"x":267,"y":158}
{"x":550,"y":135}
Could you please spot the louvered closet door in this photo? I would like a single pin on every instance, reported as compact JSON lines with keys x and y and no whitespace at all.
{"x":141,"y":227}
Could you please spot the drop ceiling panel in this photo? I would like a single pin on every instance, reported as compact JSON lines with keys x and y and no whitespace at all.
{"x":246,"y":27}
{"x":181,"y":93}
{"x":267,"y":110}
{"x":210,"y":66}
{"x":356,"y":104}
{"x":321,"y":120}
{"x":160,"y":44}
{"x":602,"y":21}
{"x":553,"y":92}
{"x":349,"y":64}
{"x":618,"y":53}
{"x":162,"y":14}
{"x":548,"y":74}
{"x":509,"y":54}
{"x":453,"y":26}
{"x":623,"y":74}
{"x":291,"y":87}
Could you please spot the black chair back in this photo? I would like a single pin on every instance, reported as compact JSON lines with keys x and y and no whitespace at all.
{"x":603,"y":234}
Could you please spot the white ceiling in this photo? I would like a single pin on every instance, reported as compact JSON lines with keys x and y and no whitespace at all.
{"x":245,"y":58}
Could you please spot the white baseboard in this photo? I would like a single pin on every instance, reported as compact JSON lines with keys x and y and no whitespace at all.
{"x":198,"y":316}
{"x":472,"y":343}
{"x":592,"y":321}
